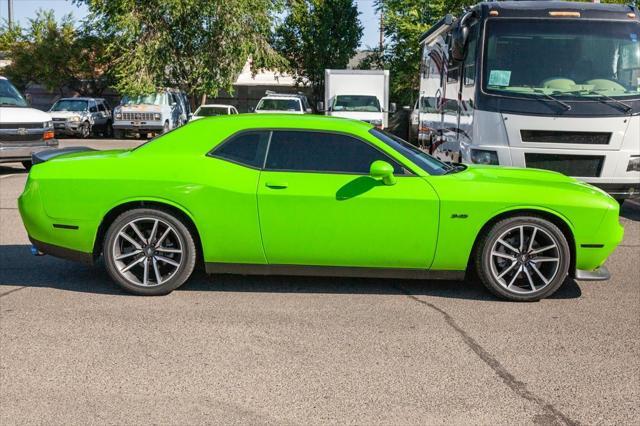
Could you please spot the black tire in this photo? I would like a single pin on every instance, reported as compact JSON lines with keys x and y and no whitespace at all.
{"x":184,"y":241}
{"x":522,"y":290}
{"x":118,"y":133}
{"x":166,"y":127}
{"x":27,"y":165}
{"x":85,"y":131}
{"x":108,"y":130}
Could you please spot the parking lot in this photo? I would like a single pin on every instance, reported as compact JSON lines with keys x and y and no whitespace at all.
{"x":74,"y":349}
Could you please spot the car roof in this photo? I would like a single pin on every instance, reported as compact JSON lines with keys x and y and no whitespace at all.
{"x":80,"y":98}
{"x":292,"y":121}
{"x":217,"y":105}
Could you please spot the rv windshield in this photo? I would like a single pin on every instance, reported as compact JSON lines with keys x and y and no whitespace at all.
{"x":361,"y":103}
{"x":567,"y":59}
{"x":9,"y":96}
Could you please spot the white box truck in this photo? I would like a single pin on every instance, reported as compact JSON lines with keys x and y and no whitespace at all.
{"x":358,"y":94}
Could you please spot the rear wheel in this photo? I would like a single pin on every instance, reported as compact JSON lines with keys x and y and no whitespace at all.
{"x":149,"y":252}
{"x":523,"y":258}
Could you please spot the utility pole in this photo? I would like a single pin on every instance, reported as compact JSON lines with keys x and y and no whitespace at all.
{"x":381,"y":29}
{"x":10,"y":12}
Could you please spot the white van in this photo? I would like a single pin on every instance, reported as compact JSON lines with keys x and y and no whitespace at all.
{"x":23,"y":130}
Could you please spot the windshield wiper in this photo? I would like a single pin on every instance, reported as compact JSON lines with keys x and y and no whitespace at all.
{"x":602,"y":97}
{"x":455,"y":169}
{"x":552,"y":98}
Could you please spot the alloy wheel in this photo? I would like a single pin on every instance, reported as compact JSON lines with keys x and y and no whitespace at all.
{"x":525,"y":259}
{"x":147,"y":251}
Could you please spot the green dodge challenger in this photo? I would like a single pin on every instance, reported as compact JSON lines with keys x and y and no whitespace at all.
{"x":312,"y":195}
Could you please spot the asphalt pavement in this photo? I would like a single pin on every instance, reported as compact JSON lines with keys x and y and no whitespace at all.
{"x":74,"y":349}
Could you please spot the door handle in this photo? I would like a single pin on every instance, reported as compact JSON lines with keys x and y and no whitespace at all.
{"x":276,"y":185}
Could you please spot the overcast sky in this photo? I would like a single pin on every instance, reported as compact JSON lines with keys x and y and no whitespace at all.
{"x":25,"y":9}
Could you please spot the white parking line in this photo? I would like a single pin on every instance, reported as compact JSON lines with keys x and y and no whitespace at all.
{"x":9,"y":175}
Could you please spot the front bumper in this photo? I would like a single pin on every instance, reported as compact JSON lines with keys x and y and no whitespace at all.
{"x":68,"y":128}
{"x":10,"y":152}
{"x":139,"y":126}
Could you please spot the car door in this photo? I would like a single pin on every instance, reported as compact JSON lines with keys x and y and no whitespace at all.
{"x":102,"y":117}
{"x":95,"y":115}
{"x":318,"y":205}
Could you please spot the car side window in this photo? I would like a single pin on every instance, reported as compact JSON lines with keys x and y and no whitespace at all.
{"x":309,"y":151}
{"x":92,"y":106}
{"x":101,"y":107}
{"x":246,"y":148}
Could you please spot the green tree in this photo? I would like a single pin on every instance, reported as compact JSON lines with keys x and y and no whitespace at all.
{"x":197,"y":45}
{"x":56,"y":55}
{"x":315,"y":35}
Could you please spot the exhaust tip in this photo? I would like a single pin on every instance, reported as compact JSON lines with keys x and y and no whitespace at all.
{"x":36,"y":252}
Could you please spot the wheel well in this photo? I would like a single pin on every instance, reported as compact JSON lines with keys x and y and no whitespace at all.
{"x":117,"y":211}
{"x":556,"y":220}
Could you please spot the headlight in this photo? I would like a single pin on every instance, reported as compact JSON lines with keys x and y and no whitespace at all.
{"x":47,"y":124}
{"x":156,"y":116}
{"x":118,"y":115}
{"x":74,"y":118}
{"x":377,"y":123}
{"x":481,"y":156}
{"x":634,"y":164}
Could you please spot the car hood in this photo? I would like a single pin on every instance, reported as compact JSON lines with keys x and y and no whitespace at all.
{"x":22,"y":115}
{"x":141,"y":108}
{"x":65,"y":114}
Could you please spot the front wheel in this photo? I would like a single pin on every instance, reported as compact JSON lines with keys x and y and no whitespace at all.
{"x":524,"y":258}
{"x":166,"y":127}
{"x":85,"y":130}
{"x":149,"y":252}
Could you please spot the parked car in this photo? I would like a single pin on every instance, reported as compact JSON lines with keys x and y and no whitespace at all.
{"x":210,"y":110}
{"x":154,"y":113}
{"x":283,"y":103}
{"x":310,"y":195}
{"x":23,"y":130}
{"x":81,"y":117}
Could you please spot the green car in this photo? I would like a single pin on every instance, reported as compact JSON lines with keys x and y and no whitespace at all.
{"x":313,"y":195}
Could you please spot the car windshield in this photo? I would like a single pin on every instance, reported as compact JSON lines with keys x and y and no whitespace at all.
{"x":9,"y":95}
{"x":273,"y":104}
{"x":420,"y":158}
{"x":152,"y":99}
{"x":69,"y":105}
{"x":361,"y":103}
{"x":564,"y":58}
{"x":207,"y":111}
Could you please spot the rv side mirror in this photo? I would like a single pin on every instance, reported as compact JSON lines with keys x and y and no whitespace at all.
{"x":459,"y":38}
{"x":393,"y":108}
{"x":320,"y":106}
{"x":28,"y":98}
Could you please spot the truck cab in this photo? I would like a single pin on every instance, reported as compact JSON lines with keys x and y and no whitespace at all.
{"x":544,"y":84}
{"x":23,"y":130}
{"x":154,"y":113}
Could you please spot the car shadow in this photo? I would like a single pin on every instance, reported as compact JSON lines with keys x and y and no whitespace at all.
{"x":18,"y":268}
{"x":8,"y":170}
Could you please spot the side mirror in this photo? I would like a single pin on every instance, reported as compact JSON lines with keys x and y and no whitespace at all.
{"x":382,"y":170}
{"x":459,"y":39}
{"x":320,"y":106}
{"x":393,"y":108}
{"x":28,"y":98}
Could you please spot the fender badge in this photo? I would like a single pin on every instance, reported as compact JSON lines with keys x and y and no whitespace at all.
{"x":459,"y":216}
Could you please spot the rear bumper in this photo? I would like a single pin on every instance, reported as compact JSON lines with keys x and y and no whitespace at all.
{"x":599,"y":274}
{"x":22,"y":152}
{"x":62,"y":252}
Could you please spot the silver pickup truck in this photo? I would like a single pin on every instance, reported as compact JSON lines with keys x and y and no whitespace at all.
{"x":154,"y":113}
{"x":23,"y":130}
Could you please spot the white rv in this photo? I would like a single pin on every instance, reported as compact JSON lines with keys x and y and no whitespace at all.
{"x":552,"y":85}
{"x":358,"y":94}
